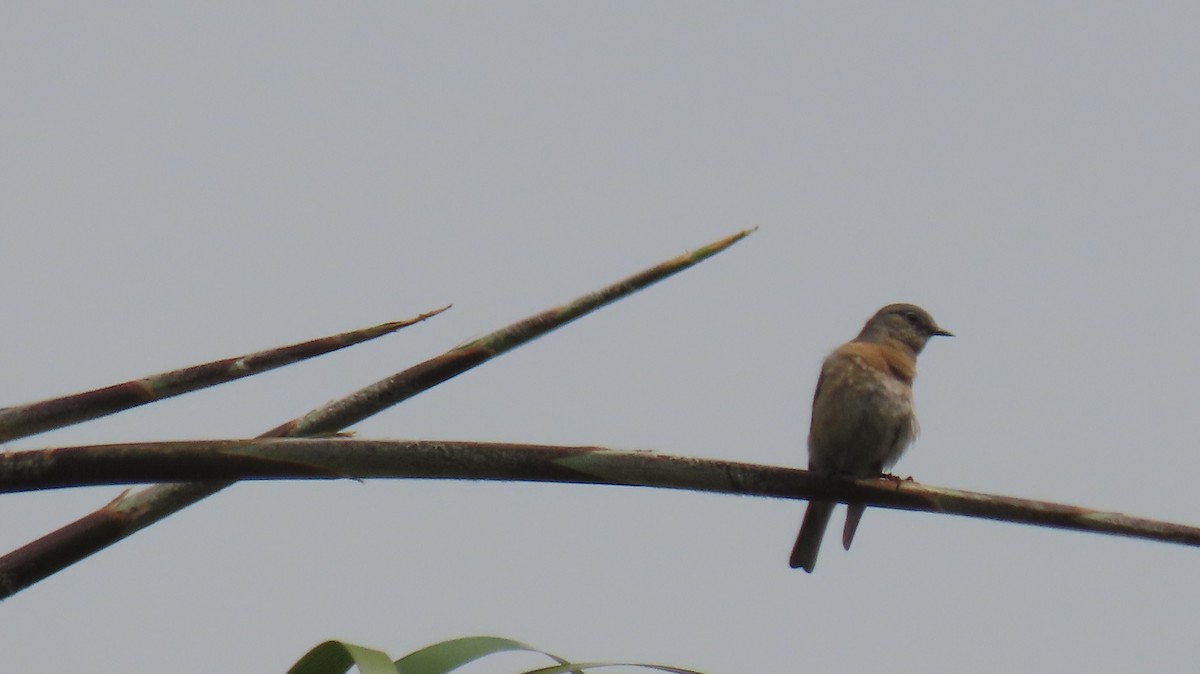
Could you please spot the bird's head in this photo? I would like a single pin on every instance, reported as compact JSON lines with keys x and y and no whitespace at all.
{"x":905,"y":324}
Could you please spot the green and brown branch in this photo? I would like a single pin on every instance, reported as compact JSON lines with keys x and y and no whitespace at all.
{"x":333,"y":458}
{"x":21,"y":421}
{"x":134,"y":510}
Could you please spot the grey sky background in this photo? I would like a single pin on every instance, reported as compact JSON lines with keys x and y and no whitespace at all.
{"x":188,"y":183}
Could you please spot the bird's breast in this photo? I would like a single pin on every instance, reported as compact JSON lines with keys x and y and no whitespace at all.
{"x":863,"y":415}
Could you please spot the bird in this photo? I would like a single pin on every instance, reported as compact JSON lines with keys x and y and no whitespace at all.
{"x":862,"y":413}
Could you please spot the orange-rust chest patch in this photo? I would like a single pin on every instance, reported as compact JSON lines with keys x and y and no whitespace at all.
{"x":897,"y":362}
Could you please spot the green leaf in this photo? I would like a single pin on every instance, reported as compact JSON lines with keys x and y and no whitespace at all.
{"x":337,"y":657}
{"x":449,"y":655}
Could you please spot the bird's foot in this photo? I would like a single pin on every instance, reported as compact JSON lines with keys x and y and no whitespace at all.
{"x":897,"y":479}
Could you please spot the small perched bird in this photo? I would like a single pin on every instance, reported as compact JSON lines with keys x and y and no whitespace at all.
{"x":863,"y":417}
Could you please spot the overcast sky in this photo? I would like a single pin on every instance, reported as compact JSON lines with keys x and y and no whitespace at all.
{"x":187,"y":183}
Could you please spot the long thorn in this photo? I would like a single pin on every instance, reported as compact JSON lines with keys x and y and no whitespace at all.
{"x":55,"y":551}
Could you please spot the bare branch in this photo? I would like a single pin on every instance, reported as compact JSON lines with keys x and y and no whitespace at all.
{"x":333,"y":458}
{"x":134,"y":510}
{"x":24,"y":420}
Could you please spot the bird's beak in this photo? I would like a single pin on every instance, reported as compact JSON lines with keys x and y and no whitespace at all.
{"x":942,"y":333}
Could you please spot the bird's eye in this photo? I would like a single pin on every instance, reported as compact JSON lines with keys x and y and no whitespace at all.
{"x":912,"y":317}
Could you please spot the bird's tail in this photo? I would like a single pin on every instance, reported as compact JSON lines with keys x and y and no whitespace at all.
{"x":808,"y":543}
{"x":854,"y":513}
